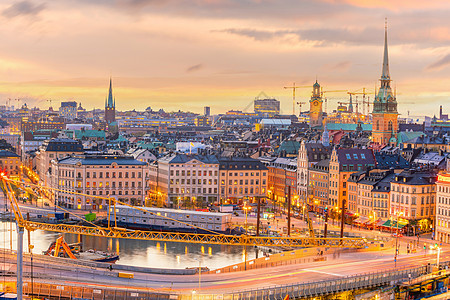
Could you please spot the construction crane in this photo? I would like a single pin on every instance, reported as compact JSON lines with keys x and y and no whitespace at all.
{"x":364,"y":101}
{"x":348,"y":103}
{"x":300,"y":106}
{"x":50,"y":101}
{"x":117,"y":232}
{"x":294,"y":87}
{"x":331,"y":91}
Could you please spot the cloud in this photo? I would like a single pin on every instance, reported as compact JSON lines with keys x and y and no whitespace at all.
{"x":23,"y":8}
{"x":441,"y":63}
{"x":256,"y":34}
{"x":340,"y":66}
{"x":194,"y":68}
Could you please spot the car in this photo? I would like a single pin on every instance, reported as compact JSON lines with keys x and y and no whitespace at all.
{"x":236,"y":213}
{"x":397,"y":234}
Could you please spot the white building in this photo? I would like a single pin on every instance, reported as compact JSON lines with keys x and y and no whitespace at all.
{"x":143,"y":155}
{"x":185,"y":180}
{"x":97,"y":176}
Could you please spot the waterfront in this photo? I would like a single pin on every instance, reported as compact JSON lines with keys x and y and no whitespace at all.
{"x":138,"y":253}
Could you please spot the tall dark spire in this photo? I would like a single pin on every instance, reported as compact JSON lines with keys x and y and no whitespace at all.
{"x":385,"y":73}
{"x":110,"y":103}
{"x":385,"y":100}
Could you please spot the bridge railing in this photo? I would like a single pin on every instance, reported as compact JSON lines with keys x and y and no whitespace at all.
{"x":312,"y":289}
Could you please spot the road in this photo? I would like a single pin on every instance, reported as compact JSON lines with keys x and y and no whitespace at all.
{"x":345,"y":264}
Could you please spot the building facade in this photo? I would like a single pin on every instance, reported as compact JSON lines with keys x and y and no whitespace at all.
{"x":267,"y":107}
{"x":309,"y":154}
{"x":54,"y":149}
{"x":343,"y":163}
{"x":68,"y":110}
{"x":9,"y":163}
{"x":185,"y":181}
{"x":318,"y":178}
{"x":98,"y":176}
{"x":241,"y":179}
{"x":443,"y":208}
{"x":413,"y":195}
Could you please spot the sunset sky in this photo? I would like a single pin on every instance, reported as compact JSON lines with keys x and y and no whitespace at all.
{"x":185,"y":54}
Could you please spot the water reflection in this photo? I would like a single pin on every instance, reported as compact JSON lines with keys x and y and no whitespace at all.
{"x":136,"y":252}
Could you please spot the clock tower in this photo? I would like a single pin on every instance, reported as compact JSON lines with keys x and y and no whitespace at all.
{"x":315,"y":107}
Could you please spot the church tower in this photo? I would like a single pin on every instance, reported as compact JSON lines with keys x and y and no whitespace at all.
{"x":110,"y":106}
{"x":385,"y":125}
{"x":315,"y":107}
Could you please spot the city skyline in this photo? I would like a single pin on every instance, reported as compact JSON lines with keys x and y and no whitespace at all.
{"x":184,"y":56}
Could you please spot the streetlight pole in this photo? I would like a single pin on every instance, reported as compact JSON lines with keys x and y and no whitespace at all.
{"x":396,"y":243}
{"x":289,"y":212}
{"x":438,"y":256}
{"x":258,"y":216}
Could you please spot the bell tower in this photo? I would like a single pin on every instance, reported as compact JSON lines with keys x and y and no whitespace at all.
{"x":384,"y":114}
{"x":315,"y":107}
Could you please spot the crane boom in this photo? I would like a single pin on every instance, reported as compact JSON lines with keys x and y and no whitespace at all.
{"x":294,"y":87}
{"x":212,"y":238}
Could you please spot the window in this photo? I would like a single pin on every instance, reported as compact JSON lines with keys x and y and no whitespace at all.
{"x":348,"y":156}
{"x":363,"y":156}
{"x":355,"y":156}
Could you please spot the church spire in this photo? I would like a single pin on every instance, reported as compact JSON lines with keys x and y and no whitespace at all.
{"x":385,"y":73}
{"x":110,"y":103}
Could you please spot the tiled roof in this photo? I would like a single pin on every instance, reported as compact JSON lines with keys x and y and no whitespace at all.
{"x":101,"y":160}
{"x":180,"y":158}
{"x":386,"y":161}
{"x":7,"y":153}
{"x":240,"y":163}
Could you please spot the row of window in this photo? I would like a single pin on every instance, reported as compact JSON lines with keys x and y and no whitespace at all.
{"x":404,"y":199}
{"x":403,"y":189}
{"x":194,"y":181}
{"x":194,"y":173}
{"x":193,"y":190}
{"x":242,"y":181}
{"x":113,"y":174}
{"x":67,"y":183}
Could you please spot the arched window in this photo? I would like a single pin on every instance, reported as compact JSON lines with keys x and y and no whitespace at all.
{"x":390,"y":126}
{"x":378,"y":125}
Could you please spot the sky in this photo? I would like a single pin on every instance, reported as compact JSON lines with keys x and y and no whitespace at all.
{"x":187,"y":54}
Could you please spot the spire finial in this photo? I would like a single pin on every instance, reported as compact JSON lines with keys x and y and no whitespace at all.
{"x":110,"y":95}
{"x":385,"y":73}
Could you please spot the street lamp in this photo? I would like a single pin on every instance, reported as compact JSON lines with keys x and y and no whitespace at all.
{"x":438,"y":256}
{"x":30,"y":248}
{"x":396,"y":240}
{"x":246,"y":209}
{"x":199,"y":273}
{"x":374,"y":220}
